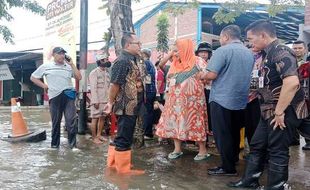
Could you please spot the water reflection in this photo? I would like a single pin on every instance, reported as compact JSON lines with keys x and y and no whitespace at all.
{"x":36,"y":166}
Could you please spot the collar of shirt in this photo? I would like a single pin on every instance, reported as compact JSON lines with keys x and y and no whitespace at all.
{"x":100,"y":70}
{"x":65,"y":64}
{"x":128,"y":55}
{"x":269,"y":47}
{"x":235,"y":42}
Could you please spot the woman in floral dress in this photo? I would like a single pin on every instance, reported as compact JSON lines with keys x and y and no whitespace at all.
{"x":184,"y":117}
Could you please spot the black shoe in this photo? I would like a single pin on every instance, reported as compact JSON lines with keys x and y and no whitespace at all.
{"x":54,"y":146}
{"x":243,"y":184}
{"x":218,"y":171}
{"x":306,"y":147}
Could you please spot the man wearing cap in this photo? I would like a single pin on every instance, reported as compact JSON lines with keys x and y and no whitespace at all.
{"x":59,"y":87}
{"x":99,"y":80}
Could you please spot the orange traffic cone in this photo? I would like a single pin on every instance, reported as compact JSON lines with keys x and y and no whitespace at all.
{"x":19,"y":126}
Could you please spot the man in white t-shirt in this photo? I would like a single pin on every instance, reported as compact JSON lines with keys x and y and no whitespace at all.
{"x":61,"y":93}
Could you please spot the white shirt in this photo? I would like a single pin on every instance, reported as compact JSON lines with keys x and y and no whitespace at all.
{"x":58,"y":77}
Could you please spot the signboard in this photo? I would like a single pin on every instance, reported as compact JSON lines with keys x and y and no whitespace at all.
{"x":62,"y":18}
{"x":5,"y":73}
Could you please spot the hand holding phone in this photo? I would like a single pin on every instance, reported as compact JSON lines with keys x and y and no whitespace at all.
{"x":68,"y":58}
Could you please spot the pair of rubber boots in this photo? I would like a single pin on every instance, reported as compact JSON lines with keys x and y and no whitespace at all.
{"x":276,"y":180}
{"x":121,"y":161}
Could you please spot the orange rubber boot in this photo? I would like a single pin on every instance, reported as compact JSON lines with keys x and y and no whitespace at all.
{"x":111,"y":156}
{"x":123,"y":163}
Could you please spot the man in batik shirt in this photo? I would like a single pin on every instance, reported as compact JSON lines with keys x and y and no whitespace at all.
{"x":283,"y":109}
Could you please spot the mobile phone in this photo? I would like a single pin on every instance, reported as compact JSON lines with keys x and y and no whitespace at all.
{"x":68,"y":58}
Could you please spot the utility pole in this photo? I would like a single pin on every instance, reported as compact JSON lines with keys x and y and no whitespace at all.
{"x":83,"y":67}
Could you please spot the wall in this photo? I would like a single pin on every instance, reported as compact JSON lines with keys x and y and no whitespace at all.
{"x":186,"y":28}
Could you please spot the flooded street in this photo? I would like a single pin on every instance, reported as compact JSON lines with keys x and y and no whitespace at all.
{"x":37,"y":166}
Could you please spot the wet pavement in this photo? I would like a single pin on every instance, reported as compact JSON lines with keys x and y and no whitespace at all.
{"x":37,"y":166}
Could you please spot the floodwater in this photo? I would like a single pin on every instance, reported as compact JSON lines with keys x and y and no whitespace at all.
{"x":37,"y":166}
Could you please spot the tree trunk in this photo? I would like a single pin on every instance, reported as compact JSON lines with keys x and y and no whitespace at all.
{"x":121,"y":21}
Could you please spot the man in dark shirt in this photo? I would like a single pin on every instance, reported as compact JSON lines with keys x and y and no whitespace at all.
{"x":300,"y":50}
{"x":126,"y":93}
{"x":282,"y":109}
{"x":150,"y":91}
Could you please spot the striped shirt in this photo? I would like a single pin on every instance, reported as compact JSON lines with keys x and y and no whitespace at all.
{"x":58,"y":77}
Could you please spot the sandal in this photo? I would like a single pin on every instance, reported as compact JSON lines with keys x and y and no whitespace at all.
{"x":175,"y":155}
{"x":102,"y":138}
{"x":200,"y":157}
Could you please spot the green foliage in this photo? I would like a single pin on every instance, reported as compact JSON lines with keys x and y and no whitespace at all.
{"x":6,"y":5}
{"x":278,"y":6}
{"x":162,"y":32}
{"x":229,"y":11}
{"x":176,"y":10}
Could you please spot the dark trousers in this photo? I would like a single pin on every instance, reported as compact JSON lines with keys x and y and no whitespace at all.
{"x":226,"y":129}
{"x":274,"y":144}
{"x":148,"y":116}
{"x":125,"y":130}
{"x":157,"y":112}
{"x":207,"y":95}
{"x":251,"y":118}
{"x":60,"y":105}
{"x":304,"y":129}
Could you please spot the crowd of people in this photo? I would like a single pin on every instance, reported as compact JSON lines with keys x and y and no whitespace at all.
{"x":190,"y":95}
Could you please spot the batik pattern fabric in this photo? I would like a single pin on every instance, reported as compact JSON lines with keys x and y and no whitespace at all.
{"x":127,"y":74}
{"x":185,"y":112}
{"x":279,"y":62}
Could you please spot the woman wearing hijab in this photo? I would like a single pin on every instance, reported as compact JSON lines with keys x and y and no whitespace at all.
{"x":184,"y":117}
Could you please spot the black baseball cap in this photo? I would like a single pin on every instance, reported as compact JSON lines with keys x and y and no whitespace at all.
{"x":59,"y":50}
{"x":204,"y":46}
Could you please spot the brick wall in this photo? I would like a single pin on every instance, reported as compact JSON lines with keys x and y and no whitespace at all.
{"x":187,"y":22}
{"x":186,"y":28}
{"x":307,"y":14}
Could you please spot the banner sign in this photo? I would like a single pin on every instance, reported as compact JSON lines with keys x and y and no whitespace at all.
{"x":5,"y":73}
{"x":62,"y":19}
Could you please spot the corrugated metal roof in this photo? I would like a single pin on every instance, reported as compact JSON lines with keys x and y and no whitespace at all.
{"x":19,"y":56}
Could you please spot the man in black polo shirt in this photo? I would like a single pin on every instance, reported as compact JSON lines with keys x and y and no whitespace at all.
{"x":126,"y":94}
